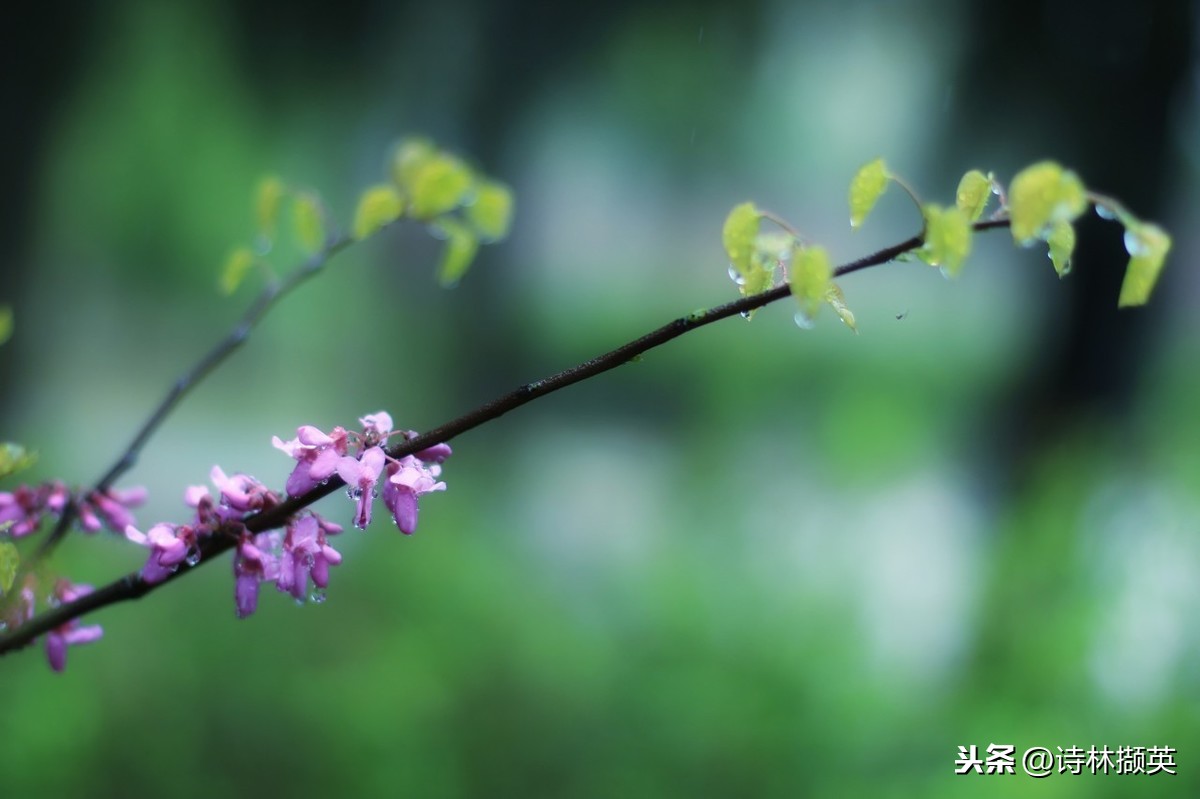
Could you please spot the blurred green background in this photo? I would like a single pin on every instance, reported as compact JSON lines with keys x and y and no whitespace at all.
{"x":762,"y":561}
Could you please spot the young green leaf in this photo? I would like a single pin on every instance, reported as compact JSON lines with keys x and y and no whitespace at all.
{"x":973,"y":193}
{"x":461,"y":246}
{"x":947,"y":238}
{"x":739,"y":236}
{"x":238,"y":263}
{"x":1040,"y":195}
{"x":439,"y":185}
{"x":6,"y":323}
{"x":811,"y":274}
{"x":491,"y":211}
{"x":309,"y":222}
{"x":267,"y":201}
{"x":837,"y":300}
{"x":14,"y":458}
{"x":1148,"y":246}
{"x":10,"y":561}
{"x":378,"y":206}
{"x":408,"y":158}
{"x":865,"y":189}
{"x":1062,"y":246}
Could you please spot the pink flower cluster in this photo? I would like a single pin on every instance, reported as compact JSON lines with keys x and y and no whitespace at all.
{"x":294,"y":559}
{"x":25,"y":507}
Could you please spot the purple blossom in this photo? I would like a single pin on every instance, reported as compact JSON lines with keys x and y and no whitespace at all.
{"x":253,"y":564}
{"x":409,"y":478}
{"x":376,"y":428}
{"x":241,"y":492}
{"x":316,"y":456}
{"x":169,"y":546}
{"x":306,"y":554}
{"x":71,"y":632}
{"x":25,"y":505}
{"x":110,"y":508}
{"x":360,"y":476}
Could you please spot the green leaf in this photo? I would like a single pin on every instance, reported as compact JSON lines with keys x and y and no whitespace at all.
{"x":865,"y":189}
{"x":10,"y":561}
{"x":14,"y":458}
{"x":268,"y":199}
{"x":1062,"y":246}
{"x":1041,"y":195}
{"x":237,"y":264}
{"x":309,"y":222}
{"x":378,"y":206}
{"x":1148,"y":246}
{"x":947,"y":238}
{"x":837,"y":300}
{"x":461,"y":246}
{"x":409,"y":158}
{"x":6,"y":323}
{"x":973,"y":193}
{"x":811,"y":274}
{"x":491,"y":211}
{"x":739,"y":236}
{"x":439,"y":185}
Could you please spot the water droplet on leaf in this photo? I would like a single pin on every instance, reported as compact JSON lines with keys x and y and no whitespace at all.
{"x":736,"y":276}
{"x":1135,"y":244}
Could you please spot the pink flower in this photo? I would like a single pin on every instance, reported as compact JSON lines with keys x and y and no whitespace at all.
{"x":316,"y":456}
{"x":251,"y":567}
{"x":110,"y":508}
{"x":376,"y":428}
{"x":58,"y":639}
{"x":25,"y":505}
{"x":241,"y":492}
{"x":408,"y":479}
{"x":306,"y":554}
{"x":169,"y":546}
{"x":360,"y":476}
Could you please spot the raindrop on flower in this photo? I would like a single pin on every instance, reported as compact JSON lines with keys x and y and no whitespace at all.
{"x":317,"y":595}
{"x":803,"y":321}
{"x":309,"y":560}
{"x":1104,"y":212}
{"x":193,"y":556}
{"x":736,"y":276}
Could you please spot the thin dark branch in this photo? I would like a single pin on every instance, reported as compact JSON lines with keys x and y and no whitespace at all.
{"x":271,"y":294}
{"x":131,"y":586}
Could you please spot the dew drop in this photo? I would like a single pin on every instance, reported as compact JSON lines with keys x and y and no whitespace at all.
{"x":299,"y":601}
{"x":317,"y":595}
{"x":747,"y":314}
{"x":803,"y":321}
{"x":193,"y":556}
{"x":1134,"y":244}
{"x":736,"y":276}
{"x":309,"y":560}
{"x":1104,"y":212}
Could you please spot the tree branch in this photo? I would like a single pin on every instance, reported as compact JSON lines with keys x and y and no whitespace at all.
{"x":131,"y":586}
{"x":271,"y":294}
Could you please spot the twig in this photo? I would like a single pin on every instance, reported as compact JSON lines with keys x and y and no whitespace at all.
{"x":271,"y":293}
{"x":131,"y":586}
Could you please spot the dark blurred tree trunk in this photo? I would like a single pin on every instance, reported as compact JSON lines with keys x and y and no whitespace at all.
{"x":1094,"y":86}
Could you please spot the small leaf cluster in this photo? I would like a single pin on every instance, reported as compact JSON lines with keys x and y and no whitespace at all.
{"x":1042,"y":204}
{"x":424,"y":184}
{"x":759,"y":259}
